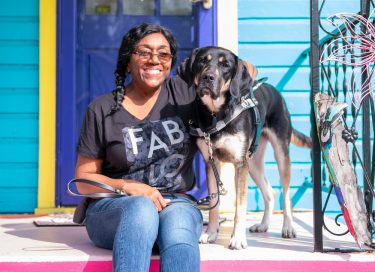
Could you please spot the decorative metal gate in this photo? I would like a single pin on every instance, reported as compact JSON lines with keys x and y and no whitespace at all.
{"x":345,"y":74}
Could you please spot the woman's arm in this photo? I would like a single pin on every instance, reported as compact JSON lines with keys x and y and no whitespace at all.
{"x":91,"y":169}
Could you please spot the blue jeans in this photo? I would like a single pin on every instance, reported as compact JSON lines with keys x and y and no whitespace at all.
{"x":131,"y":225}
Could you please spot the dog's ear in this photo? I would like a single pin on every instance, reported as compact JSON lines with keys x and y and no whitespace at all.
{"x":251,"y":68}
{"x":241,"y":81}
{"x":184,"y":70}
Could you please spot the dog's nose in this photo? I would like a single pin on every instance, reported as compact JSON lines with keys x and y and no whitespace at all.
{"x":209,"y":77}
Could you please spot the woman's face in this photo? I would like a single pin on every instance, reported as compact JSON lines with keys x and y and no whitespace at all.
{"x":150,"y":63}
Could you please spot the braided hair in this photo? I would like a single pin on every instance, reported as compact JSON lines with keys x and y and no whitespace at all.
{"x":128,"y":45}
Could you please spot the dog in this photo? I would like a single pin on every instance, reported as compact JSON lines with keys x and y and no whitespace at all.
{"x":222,"y":81}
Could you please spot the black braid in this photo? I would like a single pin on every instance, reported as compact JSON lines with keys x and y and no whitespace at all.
{"x":128,"y":45}
{"x":118,"y":93}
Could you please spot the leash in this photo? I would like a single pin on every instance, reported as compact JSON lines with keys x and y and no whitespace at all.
{"x":219,"y":184}
{"x":115,"y":193}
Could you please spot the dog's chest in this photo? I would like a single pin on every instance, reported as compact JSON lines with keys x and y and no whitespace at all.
{"x":229,"y":148}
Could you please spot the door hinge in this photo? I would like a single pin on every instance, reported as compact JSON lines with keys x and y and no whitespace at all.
{"x":207,"y":4}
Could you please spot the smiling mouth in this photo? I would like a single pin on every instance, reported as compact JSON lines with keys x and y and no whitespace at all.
{"x":152,"y":71}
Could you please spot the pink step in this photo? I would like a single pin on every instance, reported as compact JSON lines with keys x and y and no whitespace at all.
{"x":216,"y":266}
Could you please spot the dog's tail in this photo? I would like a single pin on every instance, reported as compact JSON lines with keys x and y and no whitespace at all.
{"x":300,"y":139}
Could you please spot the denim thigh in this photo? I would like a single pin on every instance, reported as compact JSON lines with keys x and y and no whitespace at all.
{"x":134,"y":214}
{"x":180,"y":226}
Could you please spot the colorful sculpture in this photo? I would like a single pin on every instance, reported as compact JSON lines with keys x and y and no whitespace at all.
{"x":336,"y":154}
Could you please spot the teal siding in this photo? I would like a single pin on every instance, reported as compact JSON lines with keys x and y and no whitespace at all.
{"x":19,"y":113}
{"x":272,"y":35}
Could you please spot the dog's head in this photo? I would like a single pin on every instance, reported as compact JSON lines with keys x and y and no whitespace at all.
{"x":216,"y":74}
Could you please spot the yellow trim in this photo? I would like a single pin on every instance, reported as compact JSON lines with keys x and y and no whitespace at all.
{"x":47,"y":103}
{"x":54,"y":210}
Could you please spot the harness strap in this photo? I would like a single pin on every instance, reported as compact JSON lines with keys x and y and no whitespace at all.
{"x":258,"y":121}
{"x":258,"y":129}
{"x":259,"y":82}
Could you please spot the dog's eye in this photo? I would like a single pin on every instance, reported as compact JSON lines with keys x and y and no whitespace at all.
{"x":202,"y":60}
{"x":225,"y":64}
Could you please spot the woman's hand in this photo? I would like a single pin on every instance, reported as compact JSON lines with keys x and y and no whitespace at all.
{"x":135,"y":188}
{"x":91,"y":169}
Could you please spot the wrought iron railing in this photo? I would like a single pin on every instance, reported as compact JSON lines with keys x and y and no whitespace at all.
{"x":331,"y":77}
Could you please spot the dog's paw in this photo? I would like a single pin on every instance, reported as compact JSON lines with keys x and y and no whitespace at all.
{"x":208,"y":237}
{"x":288,"y":232}
{"x":238,"y":242}
{"x":259,"y":228}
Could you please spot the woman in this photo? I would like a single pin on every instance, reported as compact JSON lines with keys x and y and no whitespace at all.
{"x":135,"y":139}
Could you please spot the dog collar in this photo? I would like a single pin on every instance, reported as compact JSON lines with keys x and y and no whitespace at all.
{"x":245,"y":104}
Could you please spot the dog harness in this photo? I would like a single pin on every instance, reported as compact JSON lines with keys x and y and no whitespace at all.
{"x":247,"y":102}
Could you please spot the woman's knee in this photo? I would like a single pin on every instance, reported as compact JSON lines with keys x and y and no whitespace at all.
{"x":141,"y":211}
{"x":180,"y":257}
{"x":133,"y":214}
{"x":180,"y":225}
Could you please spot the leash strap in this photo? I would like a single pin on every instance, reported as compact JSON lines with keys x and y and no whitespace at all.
{"x":113,"y":192}
{"x":219,"y":184}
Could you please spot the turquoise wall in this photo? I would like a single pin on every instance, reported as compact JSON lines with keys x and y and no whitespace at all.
{"x":19,"y":113}
{"x":272,"y":35}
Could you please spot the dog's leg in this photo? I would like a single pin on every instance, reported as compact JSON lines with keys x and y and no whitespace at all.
{"x":281,"y":151}
{"x":238,"y":239}
{"x":212,"y":231}
{"x":283,"y":164}
{"x":256,"y":170}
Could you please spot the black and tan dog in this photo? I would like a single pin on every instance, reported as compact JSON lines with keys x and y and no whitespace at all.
{"x":223,"y":84}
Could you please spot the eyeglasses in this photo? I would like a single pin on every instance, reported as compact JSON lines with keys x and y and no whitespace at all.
{"x":147,"y":55}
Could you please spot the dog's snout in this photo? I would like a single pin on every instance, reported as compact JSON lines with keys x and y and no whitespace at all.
{"x":209,"y":77}
{"x":204,"y":92}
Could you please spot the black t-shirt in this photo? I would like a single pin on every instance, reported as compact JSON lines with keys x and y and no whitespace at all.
{"x":157,"y":150}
